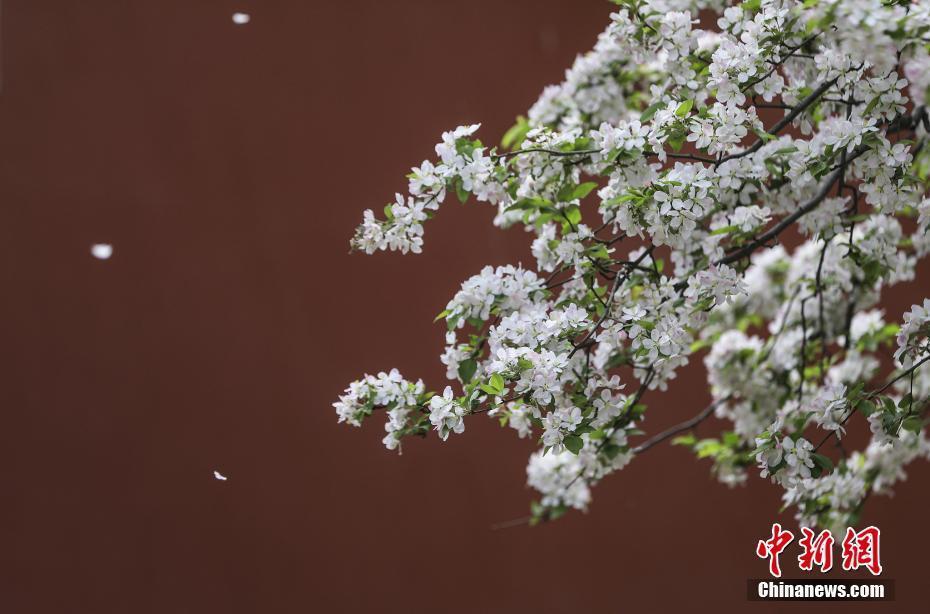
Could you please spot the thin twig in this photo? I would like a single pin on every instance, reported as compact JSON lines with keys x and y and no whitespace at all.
{"x":779,"y":126}
{"x":787,"y":221}
{"x":875,"y":393}
{"x":551,"y":152}
{"x":684,"y":426}
{"x":619,"y":280}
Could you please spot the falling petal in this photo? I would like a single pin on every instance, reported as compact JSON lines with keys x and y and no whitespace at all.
{"x":219,"y":476}
{"x":240,"y":19}
{"x":101,"y":251}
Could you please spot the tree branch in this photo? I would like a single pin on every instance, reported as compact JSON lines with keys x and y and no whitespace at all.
{"x":678,"y":428}
{"x":551,"y":152}
{"x":875,"y":393}
{"x":787,"y":221}
{"x":787,"y":119}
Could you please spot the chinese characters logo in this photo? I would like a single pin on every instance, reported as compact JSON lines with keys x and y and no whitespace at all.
{"x":859,"y":549}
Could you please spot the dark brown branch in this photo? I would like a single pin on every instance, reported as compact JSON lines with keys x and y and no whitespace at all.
{"x":678,"y":428}
{"x":775,"y":65}
{"x":875,"y":393}
{"x":618,"y":281}
{"x":552,"y":152}
{"x":787,"y":221}
{"x":780,"y":125}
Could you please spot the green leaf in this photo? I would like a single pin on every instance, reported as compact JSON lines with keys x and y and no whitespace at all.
{"x":530,"y":204}
{"x":855,"y":392}
{"x":700,"y":344}
{"x":650,"y":111}
{"x":467,"y":370}
{"x":598,"y":252}
{"x":708,"y":447}
{"x":724,"y":230}
{"x":461,"y":192}
{"x":684,"y":108}
{"x":765,"y":136}
{"x":497,"y":382}
{"x":823,"y":461}
{"x":581,"y":143}
{"x":866,"y":407}
{"x":888,"y":405}
{"x":573,"y":215}
{"x":515,"y":135}
{"x":489,"y":389}
{"x":912,"y":424}
{"x":388,"y":213}
{"x":583,"y":190}
{"x":573,"y":443}
{"x":684,"y":440}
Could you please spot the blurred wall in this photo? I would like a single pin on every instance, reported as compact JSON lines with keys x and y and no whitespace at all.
{"x":228,"y":166}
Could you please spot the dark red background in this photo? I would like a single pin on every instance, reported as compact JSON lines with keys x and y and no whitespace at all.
{"x":229,"y":165}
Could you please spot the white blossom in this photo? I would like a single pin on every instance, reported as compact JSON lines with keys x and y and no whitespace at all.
{"x":446,"y":415}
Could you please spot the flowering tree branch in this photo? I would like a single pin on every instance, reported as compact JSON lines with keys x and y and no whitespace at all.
{"x":657,"y":127}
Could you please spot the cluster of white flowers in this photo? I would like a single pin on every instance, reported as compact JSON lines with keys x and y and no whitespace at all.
{"x":831,"y":500}
{"x":724,"y":127}
{"x":747,"y":219}
{"x":387,"y":391}
{"x":794,"y":454}
{"x":555,"y":476}
{"x":506,"y":288}
{"x":463,"y":165}
{"x":759,"y":381}
{"x":447,"y":415}
{"x":843,"y":492}
{"x":627,"y":136}
{"x":719,"y":282}
{"x":885,"y":460}
{"x":699,"y":147}
{"x":913,"y":342}
{"x":828,"y":406}
{"x":404,"y":232}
